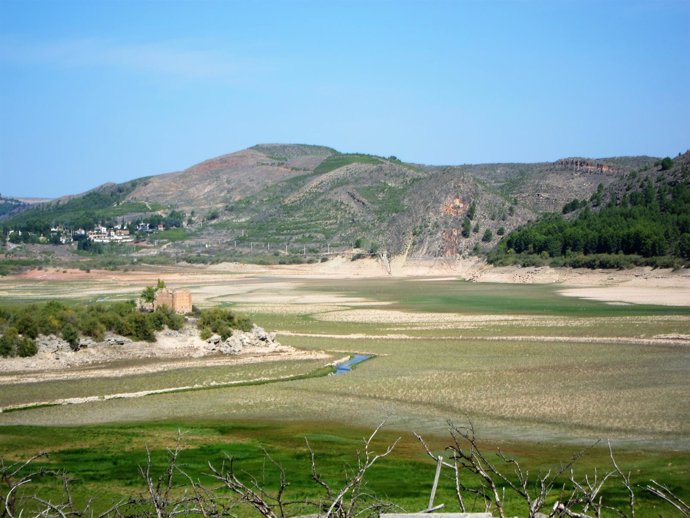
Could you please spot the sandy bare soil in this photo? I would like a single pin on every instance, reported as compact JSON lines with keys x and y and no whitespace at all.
{"x":623,"y":294}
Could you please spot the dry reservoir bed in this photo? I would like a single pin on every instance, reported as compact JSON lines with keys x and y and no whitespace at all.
{"x":521,"y":361}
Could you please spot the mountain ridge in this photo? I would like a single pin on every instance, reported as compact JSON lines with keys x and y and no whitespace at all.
{"x":314,"y":198}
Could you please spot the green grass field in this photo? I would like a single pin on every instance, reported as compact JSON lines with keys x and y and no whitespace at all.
{"x":539,"y":374}
{"x":466,"y":297}
{"x":106,"y":460}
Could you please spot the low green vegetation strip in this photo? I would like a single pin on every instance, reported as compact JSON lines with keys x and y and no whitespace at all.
{"x":109,"y":464}
{"x":10,"y":266}
{"x":335,"y":161}
{"x":210,"y":374}
{"x":465,"y":297}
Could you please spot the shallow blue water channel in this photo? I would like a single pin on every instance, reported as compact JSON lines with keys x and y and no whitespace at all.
{"x":345,"y":367}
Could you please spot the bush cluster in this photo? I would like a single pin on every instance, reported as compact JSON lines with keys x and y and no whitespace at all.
{"x":20,"y":326}
{"x":11,"y":266}
{"x":13,"y":344}
{"x":221,"y":322}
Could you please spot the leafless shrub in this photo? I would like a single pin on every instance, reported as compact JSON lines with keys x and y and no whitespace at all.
{"x":168,"y":499}
{"x":667,"y":495}
{"x":347,"y":501}
{"x":355,"y":484}
{"x":544,"y":495}
{"x":14,"y":505}
{"x":14,"y":476}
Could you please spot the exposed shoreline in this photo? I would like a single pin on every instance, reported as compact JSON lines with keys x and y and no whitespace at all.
{"x":636,"y":286}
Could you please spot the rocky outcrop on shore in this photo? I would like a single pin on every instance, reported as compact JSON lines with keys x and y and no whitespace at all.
{"x":253,"y":341}
{"x":55,"y":344}
{"x":181,"y":345}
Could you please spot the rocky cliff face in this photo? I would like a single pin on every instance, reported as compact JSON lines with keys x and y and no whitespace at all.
{"x":583,"y":165}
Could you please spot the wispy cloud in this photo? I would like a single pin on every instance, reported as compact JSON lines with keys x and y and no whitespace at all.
{"x":180,"y":59}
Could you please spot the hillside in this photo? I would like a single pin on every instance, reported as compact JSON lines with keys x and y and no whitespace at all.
{"x":215,"y":183}
{"x":10,"y":205}
{"x":277,"y":200}
{"x":641,"y":218}
{"x":103,"y":203}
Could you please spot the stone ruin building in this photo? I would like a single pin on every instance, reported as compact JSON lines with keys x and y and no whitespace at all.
{"x":180,"y":301}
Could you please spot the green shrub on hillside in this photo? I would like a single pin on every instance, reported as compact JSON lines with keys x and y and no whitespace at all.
{"x":141,"y":326}
{"x":27,"y":326}
{"x":472,"y":211}
{"x":651,"y":223}
{"x":93,"y":327}
{"x":466,"y":227}
{"x":573,"y":205}
{"x":335,"y":161}
{"x":166,"y":317}
{"x":71,"y":336}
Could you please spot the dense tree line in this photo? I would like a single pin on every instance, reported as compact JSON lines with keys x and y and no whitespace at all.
{"x":174,"y":219}
{"x":651,"y":222}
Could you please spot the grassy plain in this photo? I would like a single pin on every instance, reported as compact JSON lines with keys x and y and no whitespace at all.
{"x":539,"y":374}
{"x":105,"y":460}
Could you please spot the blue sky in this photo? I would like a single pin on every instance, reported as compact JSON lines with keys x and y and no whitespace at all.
{"x":102,"y":91}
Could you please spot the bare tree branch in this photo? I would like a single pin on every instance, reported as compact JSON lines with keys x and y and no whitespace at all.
{"x":668,"y":496}
{"x":248,"y":495}
{"x":481,"y":479}
{"x":364,"y":465}
{"x":626,"y":482}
